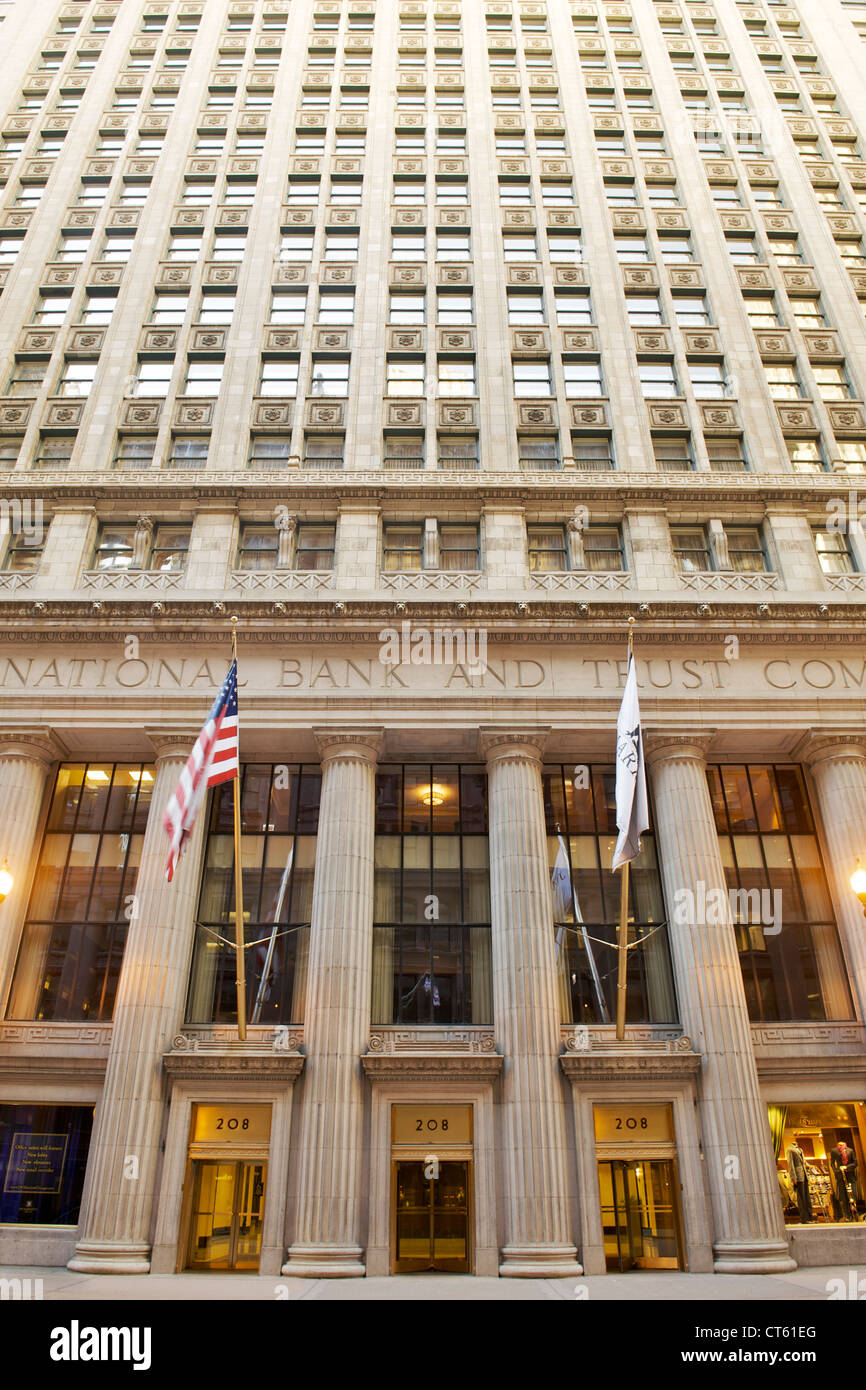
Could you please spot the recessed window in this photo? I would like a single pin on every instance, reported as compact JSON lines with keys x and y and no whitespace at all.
{"x":519,"y":248}
{"x":833,"y":551}
{"x":726,"y":454}
{"x":691,"y":549}
{"x":746,"y":549}
{"x":658,"y":379}
{"x":632,"y":250}
{"x":582,"y":378}
{"x":403,"y":450}
{"x":152,"y":378}
{"x":602,"y":548}
{"x":805,"y":455}
{"x":329,"y":377}
{"x":216,"y":308}
{"x":296,"y":246}
{"x":135,"y":450}
{"x":279,"y":377}
{"x":673,"y":453}
{"x":405,"y":376}
{"x":77,"y":378}
{"x":203,"y":378}
{"x":188,"y":451}
{"x":458,"y":453}
{"x":833,"y":383}
{"x":525,"y":308}
{"x":783,"y":381}
{"x":708,"y":380}
{"x":564,"y":249}
{"x":547,"y":549}
{"x":324,"y":450}
{"x":538,"y":451}
{"x":407,"y":247}
{"x":644,"y":310}
{"x":336,"y":307}
{"x":52,"y":309}
{"x":340,"y":246}
{"x":268,"y":451}
{"x":288,"y":307}
{"x":456,"y":376}
{"x":458,"y":547}
{"x":403,"y":548}
{"x":27,"y":377}
{"x":407,"y":309}
{"x":573,"y":308}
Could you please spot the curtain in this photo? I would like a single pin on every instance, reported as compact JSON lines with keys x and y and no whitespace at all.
{"x":299,"y":986}
{"x":482,"y":975}
{"x":383,"y":974}
{"x":777,"y":1116}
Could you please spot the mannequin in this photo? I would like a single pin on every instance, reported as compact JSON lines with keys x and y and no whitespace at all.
{"x":840,"y":1156}
{"x":796,"y":1160}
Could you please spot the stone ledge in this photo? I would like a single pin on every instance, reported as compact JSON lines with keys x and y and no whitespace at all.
{"x":627,"y":1063}
{"x":840,"y":1245}
{"x":237,"y":1064}
{"x":432,"y":1066}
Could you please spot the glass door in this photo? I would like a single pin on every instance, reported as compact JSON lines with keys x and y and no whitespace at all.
{"x":227,"y":1215}
{"x":640,"y":1214}
{"x":432,"y":1216}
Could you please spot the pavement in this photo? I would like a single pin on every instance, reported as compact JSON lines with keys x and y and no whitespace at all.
{"x":803,"y":1285}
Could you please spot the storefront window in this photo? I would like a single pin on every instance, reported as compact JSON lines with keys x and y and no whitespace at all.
{"x":581,"y":836}
{"x":786,"y":934}
{"x":431,"y":952}
{"x":43,"y":1157}
{"x":279,"y":821}
{"x":83,"y":894}
{"x":820,"y":1152}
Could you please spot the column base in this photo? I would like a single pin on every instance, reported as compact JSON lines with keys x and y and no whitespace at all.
{"x":325,"y":1262}
{"x":539,"y":1262}
{"x":110,"y":1257}
{"x":752,"y":1257}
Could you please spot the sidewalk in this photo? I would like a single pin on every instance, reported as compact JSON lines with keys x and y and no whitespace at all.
{"x":657,"y":1286}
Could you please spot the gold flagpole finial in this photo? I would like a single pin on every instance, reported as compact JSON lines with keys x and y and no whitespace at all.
{"x":234,"y":623}
{"x":631,"y":623}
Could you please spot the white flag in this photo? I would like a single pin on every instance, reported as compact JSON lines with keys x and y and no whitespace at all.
{"x":560,"y":885}
{"x":632,"y":815}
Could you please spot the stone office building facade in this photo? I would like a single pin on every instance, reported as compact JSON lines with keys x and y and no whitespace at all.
{"x":434,"y":344}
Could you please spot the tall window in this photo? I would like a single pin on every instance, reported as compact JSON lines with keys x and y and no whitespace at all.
{"x":83,"y":894}
{"x":581,"y":835}
{"x":279,"y":821}
{"x":786,"y":933}
{"x":431,"y":952}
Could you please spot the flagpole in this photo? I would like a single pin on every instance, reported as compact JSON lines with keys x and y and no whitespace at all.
{"x":239,"y":887}
{"x":622,"y":933}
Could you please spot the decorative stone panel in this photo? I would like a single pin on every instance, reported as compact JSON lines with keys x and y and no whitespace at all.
{"x":103,"y":275}
{"x":671,"y":221}
{"x":719,"y":418}
{"x":221,"y":273}
{"x":184,"y":218}
{"x":208,"y":339}
{"x":537,"y":415}
{"x":580,"y":340}
{"x":794,"y":418}
{"x":754,"y":277}
{"x":668,"y":416}
{"x":194,"y":414}
{"x":619,"y":170}
{"x":273,"y":414}
{"x":406,"y":340}
{"x":402,"y":276}
{"x":823,"y":346}
{"x":337,"y":274}
{"x":457,"y":415}
{"x":140,"y":415}
{"x":231,"y":218}
{"x":529,"y":341}
{"x":653,"y":340}
{"x":521,"y":275}
{"x":454,"y":274}
{"x":293,"y":274}
{"x":589,"y":415}
{"x":76,"y":218}
{"x":201,"y":169}
{"x":405,"y":412}
{"x":139,"y":170}
{"x":571,"y":275}
{"x":38,"y":340}
{"x":780,"y":222}
{"x":123,"y":217}
{"x":85,"y":341}
{"x":63,"y":414}
{"x":159,"y":340}
{"x":847,"y":419}
{"x":59,"y":274}
{"x":331,"y":339}
{"x":408,"y":217}
{"x":283,"y":339}
{"x":174,"y":277}
{"x":702,"y":342}
{"x":642,"y":277}
{"x":14,"y":417}
{"x":328,"y":414}
{"x":720,"y":171}
{"x":562,"y":217}
{"x":520,"y":219}
{"x":775,"y":345}
{"x":800,"y":281}
{"x":823,"y":175}
{"x":628,"y":221}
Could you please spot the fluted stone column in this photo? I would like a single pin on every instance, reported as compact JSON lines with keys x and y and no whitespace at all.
{"x":26,"y":755}
{"x":117,"y":1215}
{"x":838,"y":762}
{"x":740,"y":1172}
{"x":535,"y":1159}
{"x":328,"y":1233}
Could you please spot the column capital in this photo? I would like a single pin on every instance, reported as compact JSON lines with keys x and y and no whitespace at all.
{"x":525,"y":745}
{"x":824,"y":745}
{"x":172,"y":743}
{"x":37,"y":743}
{"x":660,"y":746}
{"x":364,"y":745}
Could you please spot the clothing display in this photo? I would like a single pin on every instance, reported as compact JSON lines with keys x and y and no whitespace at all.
{"x":798,"y":1175}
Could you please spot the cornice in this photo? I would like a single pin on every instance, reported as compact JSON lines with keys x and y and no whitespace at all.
{"x":516,"y":619}
{"x":241,"y":488}
{"x":432,"y":1066}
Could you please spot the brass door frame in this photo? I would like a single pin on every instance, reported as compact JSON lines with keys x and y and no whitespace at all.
{"x":676,"y":1212}
{"x":192,"y":1184}
{"x":458,"y":1157}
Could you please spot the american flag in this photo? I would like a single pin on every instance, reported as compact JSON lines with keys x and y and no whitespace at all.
{"x":214,"y":759}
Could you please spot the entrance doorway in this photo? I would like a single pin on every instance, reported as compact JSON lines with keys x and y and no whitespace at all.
{"x":640,"y":1214}
{"x":431,"y":1203}
{"x":228,"y":1205}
